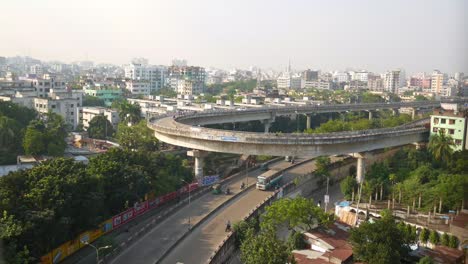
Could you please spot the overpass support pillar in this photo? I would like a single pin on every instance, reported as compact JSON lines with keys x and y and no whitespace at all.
{"x":309,"y":121}
{"x":360,"y":168}
{"x":370,"y":115}
{"x":395,"y":111}
{"x":199,"y":156}
{"x":267,"y":124}
{"x":414,"y":111}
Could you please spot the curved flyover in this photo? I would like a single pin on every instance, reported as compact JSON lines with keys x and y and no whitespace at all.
{"x":185,"y":131}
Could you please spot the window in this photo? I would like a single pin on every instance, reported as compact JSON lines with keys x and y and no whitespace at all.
{"x":53,"y":106}
{"x":71,"y":105}
{"x":443,"y":121}
{"x":451,"y":131}
{"x":458,"y":141}
{"x":436,"y":121}
{"x":71,"y":113}
{"x":451,"y":121}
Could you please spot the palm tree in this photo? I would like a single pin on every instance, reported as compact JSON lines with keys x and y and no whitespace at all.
{"x":441,"y":146}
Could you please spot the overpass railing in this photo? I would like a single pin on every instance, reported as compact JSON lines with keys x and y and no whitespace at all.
{"x":318,"y":108}
{"x":170,"y":126}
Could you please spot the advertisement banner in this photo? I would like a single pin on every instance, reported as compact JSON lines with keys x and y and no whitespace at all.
{"x":209,"y":180}
{"x":140,"y":208}
{"x":107,"y":226}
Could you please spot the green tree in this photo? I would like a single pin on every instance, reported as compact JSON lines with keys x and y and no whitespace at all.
{"x":434,"y":237}
{"x":444,"y":240}
{"x":426,"y":260}
{"x":137,"y":137}
{"x":379,"y":242}
{"x":240,"y":230}
{"x":424,"y":235}
{"x":263,"y":248}
{"x":296,"y":241}
{"x":420,"y":98}
{"x":10,"y":140}
{"x":453,"y":241}
{"x":100,"y":127}
{"x":129,"y":113}
{"x":297,"y":212}
{"x":34,"y":142}
{"x":348,"y":185}
{"x":440,"y":145}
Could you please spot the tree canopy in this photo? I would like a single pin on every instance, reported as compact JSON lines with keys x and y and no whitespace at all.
{"x":45,"y":136}
{"x":13,"y":122}
{"x":137,"y":137}
{"x":379,"y":242}
{"x":100,"y":127}
{"x":297,"y":212}
{"x":58,"y":199}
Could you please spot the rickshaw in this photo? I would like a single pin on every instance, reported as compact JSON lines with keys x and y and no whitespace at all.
{"x":216,"y":189}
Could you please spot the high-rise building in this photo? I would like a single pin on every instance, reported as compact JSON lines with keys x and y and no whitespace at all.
{"x":189,"y":87}
{"x":154,"y":75}
{"x":422,"y":81}
{"x":375,"y":83}
{"x":195,"y":74}
{"x":458,"y":76}
{"x":310,"y":75}
{"x":393,"y":80}
{"x":438,"y":79}
{"x":341,"y":77}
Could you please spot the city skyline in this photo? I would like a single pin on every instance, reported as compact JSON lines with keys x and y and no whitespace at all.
{"x":330,"y":36}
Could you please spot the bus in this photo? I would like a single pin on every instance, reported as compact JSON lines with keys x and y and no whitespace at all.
{"x":269,"y":179}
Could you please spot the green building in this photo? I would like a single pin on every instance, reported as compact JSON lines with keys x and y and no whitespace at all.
{"x":108,"y":93}
{"x":453,"y":123}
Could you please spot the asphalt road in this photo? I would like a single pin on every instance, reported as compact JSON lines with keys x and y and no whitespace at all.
{"x":201,"y":243}
{"x":152,"y":246}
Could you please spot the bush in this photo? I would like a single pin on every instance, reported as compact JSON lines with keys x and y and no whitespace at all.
{"x":296,"y":241}
{"x":434,"y":237}
{"x":453,"y":242}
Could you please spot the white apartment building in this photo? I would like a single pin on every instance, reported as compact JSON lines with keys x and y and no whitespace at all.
{"x":283,"y":82}
{"x":65,"y":104}
{"x":135,"y":87}
{"x":154,"y":75}
{"x":189,"y":87}
{"x":375,"y":83}
{"x":393,"y":80}
{"x":361,"y":76}
{"x":438,"y":80}
{"x":319,"y":84}
{"x":192,"y":73}
{"x":341,"y":77}
{"x":86,"y":114}
{"x":44,"y":84}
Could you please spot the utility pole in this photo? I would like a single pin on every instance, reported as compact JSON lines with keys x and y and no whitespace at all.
{"x":327,"y":197}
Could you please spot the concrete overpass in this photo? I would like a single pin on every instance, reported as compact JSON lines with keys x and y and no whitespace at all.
{"x":186,"y":131}
{"x":268,"y":113}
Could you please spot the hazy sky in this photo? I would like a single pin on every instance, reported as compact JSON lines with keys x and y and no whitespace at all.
{"x":417,"y":35}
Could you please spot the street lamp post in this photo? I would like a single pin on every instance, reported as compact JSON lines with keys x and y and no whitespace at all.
{"x":97,"y":249}
{"x":189,"y":198}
